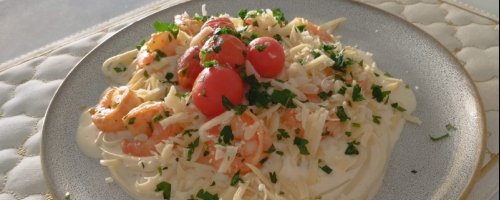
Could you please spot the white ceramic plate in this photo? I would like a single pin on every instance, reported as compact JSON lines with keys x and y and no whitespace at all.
{"x":445,"y":169}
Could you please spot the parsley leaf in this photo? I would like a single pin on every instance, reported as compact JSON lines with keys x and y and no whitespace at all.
{"x":388,"y":75}
{"x":227,"y":134}
{"x":243,"y":13}
{"x":356,"y":94}
{"x":140,"y":46}
{"x":281,"y":153}
{"x":271,"y":150}
{"x":397,"y":107}
{"x":260,"y":48}
{"x":157,"y":118}
{"x":160,"y":171}
{"x":165,"y":188}
{"x":279,"y":16}
{"x":164,"y":27}
{"x":278,"y":38}
{"x":450,"y":127}
{"x":205,"y":195}
{"x":348,"y":133}
{"x":327,"y":47}
{"x":301,"y":28}
{"x":439,"y":138}
{"x":202,"y":18}
{"x":228,"y":105}
{"x":284,"y":97}
{"x":341,"y":114}
{"x":192,"y":146}
{"x":315,"y":54}
{"x":324,"y":96}
{"x":351,"y":148}
{"x":240,"y":109}
{"x":356,"y":125}
{"x":327,"y":169}
{"x":274,"y":179}
{"x":283,"y":134}
{"x":342,"y":90}
{"x":131,"y":121}
{"x":119,"y":70}
{"x":301,"y":144}
{"x":236,"y":179}
{"x":378,"y":94}
{"x":376,"y":119}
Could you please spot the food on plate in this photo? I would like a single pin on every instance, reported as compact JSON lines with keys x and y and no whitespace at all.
{"x":246,"y":107}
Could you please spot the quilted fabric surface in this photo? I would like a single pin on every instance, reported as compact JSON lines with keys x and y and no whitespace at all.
{"x":27,"y":84}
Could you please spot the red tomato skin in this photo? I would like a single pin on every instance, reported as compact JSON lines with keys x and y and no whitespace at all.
{"x":212,"y":84}
{"x":188,"y":67}
{"x":219,"y":22}
{"x":270,"y":62}
{"x":233,"y":52}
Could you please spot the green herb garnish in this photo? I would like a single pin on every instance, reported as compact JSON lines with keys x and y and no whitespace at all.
{"x":341,"y":114}
{"x":164,"y":27}
{"x":165,"y":188}
{"x":301,"y":144}
{"x":450,"y":127}
{"x":439,"y":138}
{"x":260,"y":48}
{"x":356,"y":94}
{"x":192,"y":146}
{"x":283,"y":134}
{"x":324,"y":95}
{"x":284,"y":98}
{"x":351,"y":148}
{"x":274,"y":179}
{"x":236,"y":179}
{"x":397,"y":107}
{"x":227,"y":134}
{"x":376,"y":119}
{"x":327,"y":169}
{"x":157,"y":118}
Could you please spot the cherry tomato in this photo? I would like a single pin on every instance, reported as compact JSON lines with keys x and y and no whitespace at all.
{"x":219,"y":22}
{"x":212,"y":84}
{"x":226,"y":50}
{"x":188,"y":67}
{"x":267,"y":56}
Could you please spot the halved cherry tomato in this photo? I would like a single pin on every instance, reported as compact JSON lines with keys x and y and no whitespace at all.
{"x":188,"y":67}
{"x":212,"y":84}
{"x":219,"y":22}
{"x":267,"y":56}
{"x":226,"y":50}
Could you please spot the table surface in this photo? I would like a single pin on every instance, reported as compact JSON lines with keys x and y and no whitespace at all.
{"x":35,"y":24}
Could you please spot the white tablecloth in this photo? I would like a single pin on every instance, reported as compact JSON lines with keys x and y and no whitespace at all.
{"x":28,"y":83}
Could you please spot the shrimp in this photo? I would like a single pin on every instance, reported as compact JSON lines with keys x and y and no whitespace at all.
{"x":145,"y":119}
{"x":249,"y":151}
{"x":188,"y":25}
{"x":113,"y":106}
{"x":160,"y":43}
{"x":323,"y":35}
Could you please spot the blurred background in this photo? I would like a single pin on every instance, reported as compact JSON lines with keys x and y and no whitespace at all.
{"x":26,"y":25}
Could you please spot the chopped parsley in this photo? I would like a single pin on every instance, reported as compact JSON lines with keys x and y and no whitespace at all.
{"x":440,"y":138}
{"x":131,"y":121}
{"x":397,"y":107}
{"x":227,"y":134}
{"x":356,"y":94}
{"x":146,"y":74}
{"x":119,"y":70}
{"x":342,"y":90}
{"x":157,"y":118}
{"x":378,"y":94}
{"x":274,"y":179}
{"x":181,"y":95}
{"x":324,"y":95}
{"x":164,"y":27}
{"x":205,"y":195}
{"x":169,"y":76}
{"x":376,"y":119}
{"x":189,"y":132}
{"x":67,"y":196}
{"x":407,"y":86}
{"x":278,"y":38}
{"x":284,"y":98}
{"x":197,"y":57}
{"x":450,"y":127}
{"x":159,"y":55}
{"x":260,"y":48}
{"x":240,"y":109}
{"x":297,"y":131}
{"x":264,"y":160}
{"x":243,"y":13}
{"x":164,"y":187}
{"x":281,"y":153}
{"x":142,"y":164}
{"x":255,"y":23}
{"x":301,"y":144}
{"x":341,"y":114}
{"x":388,"y":75}
{"x":236,"y":179}
{"x":192,"y":146}
{"x":327,"y":169}
{"x":202,"y":18}
{"x":254,"y":36}
{"x":315,"y":54}
{"x":271,"y":149}
{"x":348,"y":133}
{"x":351,"y":148}
{"x":356,"y":125}
{"x":340,"y":63}
{"x":328,"y":48}
{"x":301,"y":28}
{"x":140,"y":46}
{"x":279,"y":16}
{"x":160,"y":171}
{"x":301,"y":61}
{"x":283,"y":134}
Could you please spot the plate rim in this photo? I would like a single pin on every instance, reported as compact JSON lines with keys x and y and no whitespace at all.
{"x":479,"y":103}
